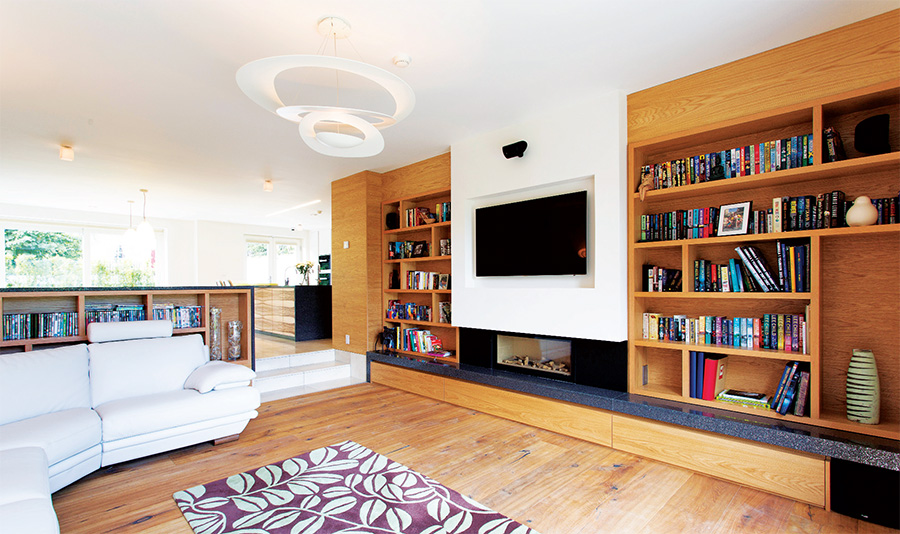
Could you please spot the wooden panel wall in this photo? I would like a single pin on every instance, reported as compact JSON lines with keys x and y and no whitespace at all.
{"x":853,"y":56}
{"x":426,"y":175}
{"x":355,"y":271}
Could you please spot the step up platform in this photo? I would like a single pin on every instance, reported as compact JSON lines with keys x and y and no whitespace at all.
{"x":279,"y":377}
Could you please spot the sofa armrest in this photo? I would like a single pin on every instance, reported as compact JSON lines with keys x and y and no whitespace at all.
{"x":218,"y":375}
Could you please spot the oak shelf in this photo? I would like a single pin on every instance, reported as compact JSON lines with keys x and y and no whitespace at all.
{"x":854,"y":272}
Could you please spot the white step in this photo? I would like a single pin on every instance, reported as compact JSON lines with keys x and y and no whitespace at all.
{"x":279,"y":377}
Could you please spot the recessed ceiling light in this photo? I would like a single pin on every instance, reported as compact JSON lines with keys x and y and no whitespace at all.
{"x":66,"y":153}
{"x":268,"y":187}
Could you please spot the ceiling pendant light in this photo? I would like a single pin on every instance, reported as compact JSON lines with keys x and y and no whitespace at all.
{"x":145,"y":234}
{"x":330,"y":130}
{"x":130,"y":239}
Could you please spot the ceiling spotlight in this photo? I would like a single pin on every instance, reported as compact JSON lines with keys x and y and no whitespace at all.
{"x":66,"y":153}
{"x":402,"y":61}
{"x":329,"y":130}
{"x":268,"y":187}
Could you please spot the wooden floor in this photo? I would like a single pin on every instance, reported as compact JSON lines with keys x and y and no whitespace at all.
{"x":555,"y":484}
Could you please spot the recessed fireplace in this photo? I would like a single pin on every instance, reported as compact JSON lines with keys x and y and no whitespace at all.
{"x":590,"y":362}
{"x":539,"y":354}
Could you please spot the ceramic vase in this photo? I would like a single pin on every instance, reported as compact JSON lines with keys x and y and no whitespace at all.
{"x":215,"y":334}
{"x":862,"y":212}
{"x":234,"y":340}
{"x":863,"y":390}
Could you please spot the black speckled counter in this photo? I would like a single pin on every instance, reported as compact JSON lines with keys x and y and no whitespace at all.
{"x":859,"y":448}
{"x":135,"y":289}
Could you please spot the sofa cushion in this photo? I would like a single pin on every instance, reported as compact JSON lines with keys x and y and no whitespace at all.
{"x":34,"y":516}
{"x":150,"y":413}
{"x":60,"y":434}
{"x":43,"y":381}
{"x":121,"y":331}
{"x":124,"y":369}
{"x":215,"y":374}
{"x":24,"y":474}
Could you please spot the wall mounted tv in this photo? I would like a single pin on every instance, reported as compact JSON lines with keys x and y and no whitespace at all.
{"x":541,"y":236}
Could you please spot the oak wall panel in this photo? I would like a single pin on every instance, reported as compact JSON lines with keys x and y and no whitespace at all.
{"x":853,"y":56}
{"x":426,"y":175}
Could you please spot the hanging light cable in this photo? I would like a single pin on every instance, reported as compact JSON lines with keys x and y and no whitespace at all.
{"x":145,"y":233}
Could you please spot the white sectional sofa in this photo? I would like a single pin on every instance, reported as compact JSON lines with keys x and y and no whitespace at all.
{"x":133,"y":391}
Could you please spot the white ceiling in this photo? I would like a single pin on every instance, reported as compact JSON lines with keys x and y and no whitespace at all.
{"x":145,"y":90}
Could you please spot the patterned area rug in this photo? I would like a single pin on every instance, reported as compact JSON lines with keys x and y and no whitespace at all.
{"x":344,"y":488}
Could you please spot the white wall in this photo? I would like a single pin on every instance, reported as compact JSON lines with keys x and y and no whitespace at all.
{"x":197,"y":252}
{"x":579,"y":146}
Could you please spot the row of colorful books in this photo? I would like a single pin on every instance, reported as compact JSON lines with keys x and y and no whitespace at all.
{"x":748,"y":160}
{"x":775,"y":331}
{"x":398,"y":250}
{"x":409,"y":311}
{"x":181,"y":316}
{"x":793,"y":389}
{"x":427,"y":280}
{"x":419,"y":340}
{"x":39,"y":325}
{"x":421,"y":215}
{"x":661,"y":279}
{"x":110,"y":313}
{"x":696,"y":223}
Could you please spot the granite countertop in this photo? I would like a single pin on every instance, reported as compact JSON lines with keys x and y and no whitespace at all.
{"x":859,"y":448}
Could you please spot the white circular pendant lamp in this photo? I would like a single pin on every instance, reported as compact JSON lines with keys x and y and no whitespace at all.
{"x":257,"y":80}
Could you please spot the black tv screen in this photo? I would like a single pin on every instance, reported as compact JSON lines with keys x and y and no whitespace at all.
{"x":542,"y":236}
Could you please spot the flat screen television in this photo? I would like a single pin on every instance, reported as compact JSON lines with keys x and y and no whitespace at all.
{"x":541,"y":236}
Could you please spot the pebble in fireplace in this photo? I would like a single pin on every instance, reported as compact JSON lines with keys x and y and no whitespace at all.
{"x":551,"y":366}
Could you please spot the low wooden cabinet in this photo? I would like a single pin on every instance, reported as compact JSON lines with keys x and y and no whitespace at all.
{"x":51,"y":306}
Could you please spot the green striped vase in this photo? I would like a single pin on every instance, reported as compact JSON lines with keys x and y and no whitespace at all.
{"x":863,"y":391}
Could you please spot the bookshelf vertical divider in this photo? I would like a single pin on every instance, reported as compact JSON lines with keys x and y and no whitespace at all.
{"x":854,"y":272}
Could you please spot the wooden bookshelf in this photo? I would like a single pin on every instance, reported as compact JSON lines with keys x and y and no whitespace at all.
{"x":433,"y":261}
{"x":854,"y":272}
{"x":235,"y":303}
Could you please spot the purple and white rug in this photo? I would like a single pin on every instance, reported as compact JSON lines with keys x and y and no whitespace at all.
{"x":345,"y":488}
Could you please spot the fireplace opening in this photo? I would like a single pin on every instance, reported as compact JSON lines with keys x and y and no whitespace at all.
{"x":539,"y":354}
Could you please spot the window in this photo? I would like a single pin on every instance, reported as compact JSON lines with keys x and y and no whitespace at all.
{"x":258,"y":263}
{"x":40,"y":255}
{"x":33,"y":258}
{"x":271,"y":260}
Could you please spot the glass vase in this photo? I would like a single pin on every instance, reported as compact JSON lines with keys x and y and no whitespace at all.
{"x":234,"y":340}
{"x":215,"y":334}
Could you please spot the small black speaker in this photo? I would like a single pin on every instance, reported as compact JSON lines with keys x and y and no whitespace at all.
{"x":865,"y":492}
{"x":515,"y":150}
{"x":872,"y":135}
{"x":392,"y":221}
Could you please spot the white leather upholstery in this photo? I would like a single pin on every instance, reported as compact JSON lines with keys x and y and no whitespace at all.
{"x":218,"y":375}
{"x":25,"y":504}
{"x":60,"y":434}
{"x":124,"y":369}
{"x":125,"y":330}
{"x":136,"y":416}
{"x":43,"y":381}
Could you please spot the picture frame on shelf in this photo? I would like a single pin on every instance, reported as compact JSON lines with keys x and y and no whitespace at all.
{"x":734,"y":218}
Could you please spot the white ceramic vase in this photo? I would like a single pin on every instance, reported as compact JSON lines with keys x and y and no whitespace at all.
{"x":863,"y":389}
{"x":862,"y":212}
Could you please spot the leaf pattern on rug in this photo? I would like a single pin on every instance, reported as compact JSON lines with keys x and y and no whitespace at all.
{"x":344,"y":488}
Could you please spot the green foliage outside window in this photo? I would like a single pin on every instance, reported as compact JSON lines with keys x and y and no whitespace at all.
{"x":122,"y":273}
{"x":42,"y":259}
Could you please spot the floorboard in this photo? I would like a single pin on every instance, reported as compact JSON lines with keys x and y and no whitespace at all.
{"x":555,"y":484}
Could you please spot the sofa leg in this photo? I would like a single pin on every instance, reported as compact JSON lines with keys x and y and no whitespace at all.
{"x":226,"y":439}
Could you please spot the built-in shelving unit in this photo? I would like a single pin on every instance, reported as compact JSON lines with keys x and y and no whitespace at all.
{"x":854,"y":271}
{"x":235,"y":303}
{"x":395,"y":271}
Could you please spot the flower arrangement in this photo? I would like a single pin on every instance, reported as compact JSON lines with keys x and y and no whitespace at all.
{"x":304,"y":268}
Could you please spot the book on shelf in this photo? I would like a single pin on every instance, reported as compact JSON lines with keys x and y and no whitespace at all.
{"x":748,"y":160}
{"x":19,"y":326}
{"x":744,"y":398}
{"x":419,"y":340}
{"x":398,"y":250}
{"x":657,"y":279}
{"x":833,"y":145}
{"x":444,"y":312}
{"x":714,"y":368}
{"x":442,"y":211}
{"x":444,"y":281}
{"x":180,"y":316}
{"x":445,"y":246}
{"x":409,"y":311}
{"x":784,"y":332}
